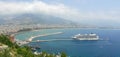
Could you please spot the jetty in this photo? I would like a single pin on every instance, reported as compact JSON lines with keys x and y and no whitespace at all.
{"x":31,"y":38}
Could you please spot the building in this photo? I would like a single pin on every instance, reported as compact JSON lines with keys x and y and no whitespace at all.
{"x":12,"y":38}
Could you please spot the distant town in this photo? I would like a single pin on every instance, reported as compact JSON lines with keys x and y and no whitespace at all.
{"x":9,"y":29}
{"x":14,"y":28}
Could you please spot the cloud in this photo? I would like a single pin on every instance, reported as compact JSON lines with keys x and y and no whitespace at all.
{"x":7,"y":8}
{"x":59,"y":10}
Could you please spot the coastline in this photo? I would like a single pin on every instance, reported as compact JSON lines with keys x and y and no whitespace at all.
{"x":76,"y":46}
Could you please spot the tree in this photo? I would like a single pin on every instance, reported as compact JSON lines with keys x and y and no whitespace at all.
{"x":63,"y":54}
{"x":14,"y":50}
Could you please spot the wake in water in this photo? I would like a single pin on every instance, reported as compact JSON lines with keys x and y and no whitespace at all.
{"x":53,"y":40}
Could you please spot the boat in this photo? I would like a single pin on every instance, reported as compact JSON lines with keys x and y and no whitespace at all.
{"x":90,"y":36}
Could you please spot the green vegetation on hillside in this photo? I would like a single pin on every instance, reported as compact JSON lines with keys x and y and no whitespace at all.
{"x":14,"y":50}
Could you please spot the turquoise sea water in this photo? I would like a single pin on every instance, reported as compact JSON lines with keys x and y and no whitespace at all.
{"x":73,"y":48}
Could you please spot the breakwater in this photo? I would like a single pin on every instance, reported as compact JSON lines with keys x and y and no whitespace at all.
{"x":52,"y":40}
{"x":31,"y":38}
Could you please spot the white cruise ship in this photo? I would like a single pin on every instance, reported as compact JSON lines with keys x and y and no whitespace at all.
{"x":86,"y":37}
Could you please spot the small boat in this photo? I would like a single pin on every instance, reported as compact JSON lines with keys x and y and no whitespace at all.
{"x":34,"y":48}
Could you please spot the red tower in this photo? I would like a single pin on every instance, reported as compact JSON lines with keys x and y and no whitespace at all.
{"x":12,"y":38}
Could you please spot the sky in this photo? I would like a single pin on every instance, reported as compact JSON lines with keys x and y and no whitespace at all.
{"x":93,"y":12}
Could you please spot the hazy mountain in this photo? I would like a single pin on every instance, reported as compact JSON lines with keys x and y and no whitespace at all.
{"x":35,"y":18}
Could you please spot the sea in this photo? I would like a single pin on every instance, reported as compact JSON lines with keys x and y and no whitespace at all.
{"x":109,"y":46}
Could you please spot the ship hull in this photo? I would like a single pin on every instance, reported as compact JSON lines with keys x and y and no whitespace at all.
{"x":86,"y":38}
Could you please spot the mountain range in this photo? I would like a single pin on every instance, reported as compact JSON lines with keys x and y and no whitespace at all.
{"x":28,"y":18}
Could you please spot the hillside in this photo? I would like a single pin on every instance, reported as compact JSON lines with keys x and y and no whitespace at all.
{"x":36,"y":19}
{"x":14,"y":50}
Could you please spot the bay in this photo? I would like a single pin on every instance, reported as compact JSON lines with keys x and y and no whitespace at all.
{"x":73,"y":48}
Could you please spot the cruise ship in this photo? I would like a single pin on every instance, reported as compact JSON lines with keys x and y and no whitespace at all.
{"x":86,"y":37}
